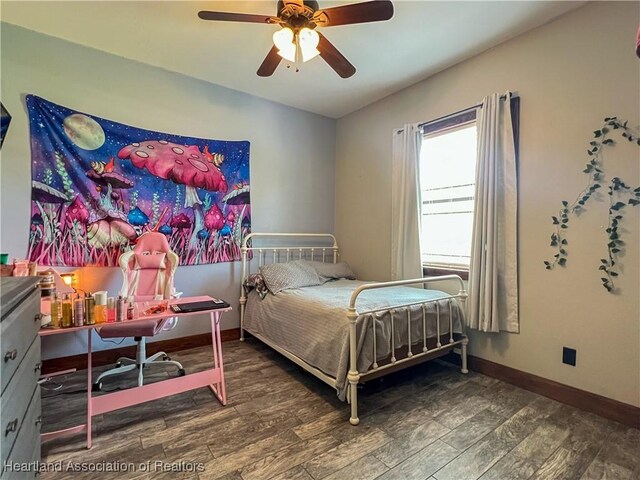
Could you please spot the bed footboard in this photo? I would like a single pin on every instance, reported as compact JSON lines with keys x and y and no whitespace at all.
{"x":354,"y":376}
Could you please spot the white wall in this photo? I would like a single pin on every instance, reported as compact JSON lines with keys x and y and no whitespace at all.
{"x":292,"y":152}
{"x":570,"y":74}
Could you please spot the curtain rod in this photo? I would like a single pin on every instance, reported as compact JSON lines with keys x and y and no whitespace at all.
{"x":459,"y":112}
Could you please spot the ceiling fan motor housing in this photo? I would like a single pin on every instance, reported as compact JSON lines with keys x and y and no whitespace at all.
{"x":312,"y":4}
{"x":297,"y":17}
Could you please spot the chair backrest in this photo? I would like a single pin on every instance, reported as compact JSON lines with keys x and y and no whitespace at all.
{"x":149,"y":268}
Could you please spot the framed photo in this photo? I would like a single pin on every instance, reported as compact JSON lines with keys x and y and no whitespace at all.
{"x":5,"y":120}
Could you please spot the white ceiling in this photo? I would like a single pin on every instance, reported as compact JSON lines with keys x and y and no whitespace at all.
{"x":422,"y":38}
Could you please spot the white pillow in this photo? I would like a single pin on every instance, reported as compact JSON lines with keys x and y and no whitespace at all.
{"x":333,"y":271}
{"x":296,"y":274}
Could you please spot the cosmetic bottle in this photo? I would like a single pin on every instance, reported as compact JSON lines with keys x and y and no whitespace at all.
{"x":56,"y":311}
{"x":111,"y":310}
{"x":67,"y":312}
{"x":130,"y":308}
{"x":89,"y":310}
{"x":121,"y":309}
{"x":78,"y":311}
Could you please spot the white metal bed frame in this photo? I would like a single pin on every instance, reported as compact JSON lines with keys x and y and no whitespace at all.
{"x":281,"y":254}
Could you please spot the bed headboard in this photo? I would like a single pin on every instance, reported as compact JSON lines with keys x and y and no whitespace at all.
{"x":262,"y":248}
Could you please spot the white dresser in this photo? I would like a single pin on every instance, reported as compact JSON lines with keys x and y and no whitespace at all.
{"x":20,"y":366}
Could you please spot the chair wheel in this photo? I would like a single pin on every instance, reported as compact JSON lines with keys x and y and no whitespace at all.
{"x":96,"y":387}
{"x":118,"y":364}
{"x":181,"y":372}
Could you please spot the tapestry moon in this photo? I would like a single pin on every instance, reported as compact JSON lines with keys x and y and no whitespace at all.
{"x":97,"y":185}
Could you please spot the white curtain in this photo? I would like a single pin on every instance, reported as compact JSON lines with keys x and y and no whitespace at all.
{"x":493,"y":274}
{"x":406,"y":201}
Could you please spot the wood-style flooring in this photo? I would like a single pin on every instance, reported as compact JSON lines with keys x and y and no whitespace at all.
{"x":428,"y":422}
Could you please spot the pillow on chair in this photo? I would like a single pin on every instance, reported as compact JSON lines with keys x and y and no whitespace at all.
{"x":153,"y":260}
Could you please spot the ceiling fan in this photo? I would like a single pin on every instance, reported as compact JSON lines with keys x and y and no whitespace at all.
{"x":298,"y":38}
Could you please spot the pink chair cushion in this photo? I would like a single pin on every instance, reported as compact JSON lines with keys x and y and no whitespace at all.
{"x":138,"y":329}
{"x":153,"y":260}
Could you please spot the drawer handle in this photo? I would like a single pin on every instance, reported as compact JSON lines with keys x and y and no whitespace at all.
{"x":10,"y":355}
{"x":38,"y":367}
{"x":38,"y":317}
{"x":11,"y":427}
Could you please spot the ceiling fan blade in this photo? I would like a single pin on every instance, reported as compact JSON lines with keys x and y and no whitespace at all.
{"x":374,"y":11}
{"x":270,"y":63}
{"x":234,"y":17}
{"x":334,"y":58}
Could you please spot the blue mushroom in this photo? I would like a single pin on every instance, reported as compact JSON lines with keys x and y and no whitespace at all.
{"x":225,"y":231}
{"x":137,"y":217}
{"x":37,"y":219}
{"x":203,"y":234}
{"x":165,"y":229}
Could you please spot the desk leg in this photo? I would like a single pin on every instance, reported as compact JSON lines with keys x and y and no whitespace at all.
{"x":219,"y":390}
{"x":89,"y":388}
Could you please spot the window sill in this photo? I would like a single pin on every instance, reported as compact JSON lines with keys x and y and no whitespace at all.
{"x":431,"y":271}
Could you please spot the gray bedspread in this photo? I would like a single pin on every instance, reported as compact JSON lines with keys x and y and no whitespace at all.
{"x":312,"y":324}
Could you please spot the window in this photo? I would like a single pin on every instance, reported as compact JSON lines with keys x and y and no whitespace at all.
{"x":447,"y":180}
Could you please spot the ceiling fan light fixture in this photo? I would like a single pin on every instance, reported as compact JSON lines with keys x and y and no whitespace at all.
{"x":308,"y":40}
{"x":283,"y":40}
{"x":288,"y":52}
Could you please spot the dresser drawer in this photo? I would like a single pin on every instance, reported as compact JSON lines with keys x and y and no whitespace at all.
{"x":26,"y":448}
{"x":15,"y":400}
{"x":17,"y":332}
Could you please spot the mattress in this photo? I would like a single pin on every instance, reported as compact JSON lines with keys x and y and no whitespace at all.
{"x":311,"y":323}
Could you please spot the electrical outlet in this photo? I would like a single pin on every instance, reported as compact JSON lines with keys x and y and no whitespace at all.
{"x":569,"y":356}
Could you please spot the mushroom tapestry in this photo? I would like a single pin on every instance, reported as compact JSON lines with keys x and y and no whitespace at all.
{"x":97,"y":185}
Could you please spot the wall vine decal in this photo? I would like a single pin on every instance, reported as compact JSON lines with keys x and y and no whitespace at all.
{"x":620,"y":196}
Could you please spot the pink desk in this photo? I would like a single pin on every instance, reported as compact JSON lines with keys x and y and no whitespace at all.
{"x":108,"y":402}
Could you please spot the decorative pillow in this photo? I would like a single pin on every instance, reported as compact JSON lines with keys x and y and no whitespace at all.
{"x":296,"y":274}
{"x":154,"y":260}
{"x":256,"y":281}
{"x":333,"y":271}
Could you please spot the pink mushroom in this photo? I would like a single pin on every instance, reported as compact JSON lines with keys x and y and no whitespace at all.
{"x":231,"y":218}
{"x":214,"y":219}
{"x":180,"y":222}
{"x":77,"y":211}
{"x":182,"y":164}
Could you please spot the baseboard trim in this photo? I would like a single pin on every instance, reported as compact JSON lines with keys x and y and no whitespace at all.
{"x":107,"y":357}
{"x":591,"y":402}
